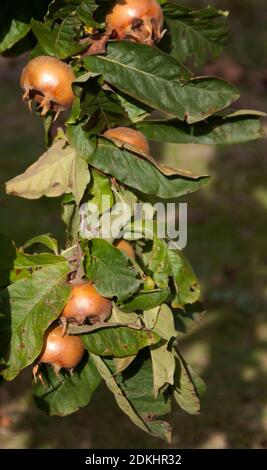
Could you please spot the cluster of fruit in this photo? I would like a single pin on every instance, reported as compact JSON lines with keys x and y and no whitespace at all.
{"x":48,"y":81}
{"x":85,"y":304}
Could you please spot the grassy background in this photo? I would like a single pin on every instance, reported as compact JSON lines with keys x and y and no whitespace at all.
{"x":227,"y":247}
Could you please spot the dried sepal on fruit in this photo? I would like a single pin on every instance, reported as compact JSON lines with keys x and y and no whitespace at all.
{"x":129,"y":136}
{"x":48,"y":81}
{"x":61,"y":351}
{"x":86,"y":304}
{"x":140,"y":21}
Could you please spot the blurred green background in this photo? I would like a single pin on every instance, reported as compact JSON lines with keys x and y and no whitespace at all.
{"x":227,"y":247}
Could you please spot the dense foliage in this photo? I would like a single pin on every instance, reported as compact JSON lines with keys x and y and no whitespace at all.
{"x":156,"y":295}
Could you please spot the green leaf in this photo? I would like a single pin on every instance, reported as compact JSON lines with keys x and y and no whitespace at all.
{"x":71,"y":217}
{"x":58,"y":171}
{"x":145,"y":300}
{"x":61,"y":41}
{"x":140,"y":174}
{"x":185,"y":392}
{"x":7,"y":258}
{"x":111,"y":271}
{"x":198,"y":382}
{"x":152,"y":78}
{"x":59,"y":9}
{"x":67,"y":41}
{"x":135,"y":110}
{"x":102,"y":106}
{"x":86,"y":10}
{"x":118,"y":341}
{"x":121,"y":363}
{"x":167,"y":263}
{"x":120,"y":317}
{"x":100,"y":186}
{"x":188,"y":318}
{"x":133,"y":393}
{"x":15,"y":20}
{"x":81,"y":141}
{"x":163,"y":364}
{"x":25,"y":261}
{"x":45,"y":35}
{"x":118,"y":393}
{"x":137,"y":384}
{"x":45,"y":240}
{"x":27,"y":308}
{"x":161,"y":321}
{"x":17,"y":30}
{"x":120,"y":218}
{"x":65,"y":393}
{"x":217,"y":130}
{"x":194,"y":33}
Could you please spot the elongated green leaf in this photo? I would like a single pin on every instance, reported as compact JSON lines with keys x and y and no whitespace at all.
{"x":65,"y":393}
{"x":137,"y":384}
{"x":67,"y":40}
{"x":81,"y":141}
{"x":45,"y":35}
{"x":100,"y":186}
{"x":58,"y":171}
{"x":194,"y":33}
{"x":222,"y":130}
{"x":118,"y":341}
{"x":7,"y":258}
{"x":61,"y":41}
{"x":61,"y":9}
{"x":25,"y":261}
{"x":163,"y":364}
{"x":145,"y":300}
{"x":118,"y":393}
{"x":17,"y":30}
{"x":15,"y":20}
{"x":161,"y":321}
{"x":103,"y":107}
{"x":140,"y":174}
{"x":167,"y":262}
{"x":185,"y":392}
{"x":46,"y":240}
{"x":86,"y":10}
{"x":27,"y":308}
{"x":142,"y":73}
{"x":111,"y":271}
{"x":135,"y":110}
{"x":198,"y":382}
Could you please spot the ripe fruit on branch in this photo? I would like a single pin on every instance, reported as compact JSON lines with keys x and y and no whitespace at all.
{"x":124,"y":246}
{"x":129,"y":136}
{"x":138,"y":20}
{"x":85,"y":303}
{"x":62,"y":352}
{"x":48,"y":81}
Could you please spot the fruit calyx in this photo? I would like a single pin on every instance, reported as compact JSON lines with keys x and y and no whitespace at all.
{"x":85,"y":304}
{"x":135,"y":20}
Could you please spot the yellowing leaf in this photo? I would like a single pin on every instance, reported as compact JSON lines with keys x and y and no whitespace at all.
{"x":163,"y":364}
{"x":58,"y":171}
